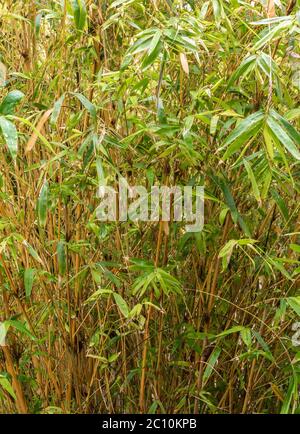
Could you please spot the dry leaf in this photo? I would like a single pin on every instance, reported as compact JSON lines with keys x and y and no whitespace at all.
{"x":277,"y":392}
{"x":271,"y":9}
{"x":31,"y":142}
{"x":184,"y":63}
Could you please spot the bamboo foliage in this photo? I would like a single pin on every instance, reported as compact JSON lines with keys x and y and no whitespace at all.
{"x":145,"y":316}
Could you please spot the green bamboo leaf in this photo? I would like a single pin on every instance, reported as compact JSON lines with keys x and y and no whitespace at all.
{"x":276,"y":263}
{"x":272,"y":20}
{"x":80,"y":13}
{"x":141,"y":44}
{"x":245,"y":130}
{"x":227,"y":332}
{"x":61,"y":257}
{"x":213,"y":125}
{"x":245,"y":67}
{"x":283,"y":137}
{"x":37,"y":24}
{"x":56,"y":110}
{"x":294,"y":303}
{"x":18,"y":325}
{"x":226,"y":252}
{"x":10,"y":101}
{"x":263,"y":344}
{"x":228,"y":198}
{"x":28,"y":281}
{"x":292,"y":114}
{"x":87,"y":104}
{"x":246,"y":336}
{"x":281,"y":204}
{"x":10,"y":134}
{"x":267,"y":64}
{"x":152,"y":56}
{"x":154,"y":50}
{"x":42,"y":204}
{"x":7,"y":386}
{"x":119,"y":3}
{"x":269,"y":36}
{"x":97,"y":294}
{"x":288,"y":397}
{"x":253,"y":181}
{"x":268,"y":142}
{"x":122,"y":305}
{"x":295,"y":247}
{"x":213,"y":358}
{"x":292,"y":132}
{"x":32,"y":252}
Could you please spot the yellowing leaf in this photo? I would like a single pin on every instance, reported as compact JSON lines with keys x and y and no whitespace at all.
{"x":268,"y":142}
{"x":32,"y":141}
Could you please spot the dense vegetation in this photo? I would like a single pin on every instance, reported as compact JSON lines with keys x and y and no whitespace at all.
{"x":144,"y":316}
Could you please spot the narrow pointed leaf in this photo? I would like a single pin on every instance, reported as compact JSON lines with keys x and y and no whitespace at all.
{"x":10,"y":134}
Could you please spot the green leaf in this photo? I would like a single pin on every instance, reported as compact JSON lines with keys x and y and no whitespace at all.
{"x":61,"y":257}
{"x":253,"y":181}
{"x":269,"y":143}
{"x":228,"y":198}
{"x":32,"y":251}
{"x":10,"y":134}
{"x":7,"y":386}
{"x":227,"y":332}
{"x":213,"y":358}
{"x":154,"y":50}
{"x":263,"y":344}
{"x":10,"y":101}
{"x":42,"y":204}
{"x":18,"y":325}
{"x":37,"y":24}
{"x":277,"y":263}
{"x":213,"y":125}
{"x":56,"y":110}
{"x":80,"y":13}
{"x":288,"y":397}
{"x":272,"y":20}
{"x":135,"y":311}
{"x":292,"y":114}
{"x":246,"y":336}
{"x":28,"y":281}
{"x":245,"y":66}
{"x":292,"y":132}
{"x":226,"y":252}
{"x":295,"y":247}
{"x":245,"y":130}
{"x":121,"y":303}
{"x":87,"y":104}
{"x":267,"y":64}
{"x":294,"y":303}
{"x":97,"y":294}
{"x":280,"y":203}
{"x":283,"y":137}
{"x":275,"y":32}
